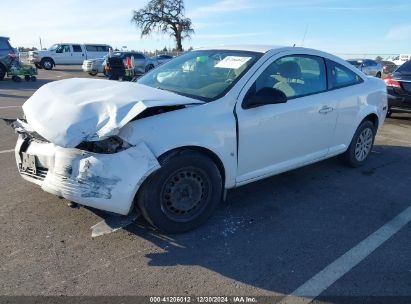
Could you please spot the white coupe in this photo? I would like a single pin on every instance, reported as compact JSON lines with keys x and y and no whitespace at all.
{"x":212,"y":119}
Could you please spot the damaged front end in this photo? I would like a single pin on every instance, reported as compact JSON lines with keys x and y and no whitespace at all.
{"x":69,"y":142}
{"x":103,"y":174}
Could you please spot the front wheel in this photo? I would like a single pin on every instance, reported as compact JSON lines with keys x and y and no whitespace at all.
{"x":182,"y":194}
{"x":92,"y":73}
{"x":47,"y":64}
{"x":361,"y":144}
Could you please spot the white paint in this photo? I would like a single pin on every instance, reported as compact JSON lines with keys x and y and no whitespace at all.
{"x":334,"y":271}
{"x":103,"y":181}
{"x":7,"y":151}
{"x":282,"y":136}
{"x":66,"y":112}
{"x":68,"y":56}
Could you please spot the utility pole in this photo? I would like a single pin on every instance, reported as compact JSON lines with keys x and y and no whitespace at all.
{"x":41,"y":46}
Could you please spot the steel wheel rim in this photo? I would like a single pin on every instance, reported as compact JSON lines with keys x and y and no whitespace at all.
{"x":185,"y":193}
{"x":364,"y":144}
{"x":47,"y":64}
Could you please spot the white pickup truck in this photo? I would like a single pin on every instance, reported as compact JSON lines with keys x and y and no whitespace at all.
{"x":67,"y":53}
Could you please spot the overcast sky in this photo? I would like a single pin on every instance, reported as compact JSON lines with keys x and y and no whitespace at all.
{"x":337,"y":26}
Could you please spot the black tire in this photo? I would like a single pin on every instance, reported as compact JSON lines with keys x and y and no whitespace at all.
{"x":378,"y":75}
{"x":2,"y":72}
{"x":359,"y":150}
{"x":27,"y":78}
{"x":182,"y":194}
{"x":47,"y":63}
{"x":38,"y":65}
{"x":93,"y":73}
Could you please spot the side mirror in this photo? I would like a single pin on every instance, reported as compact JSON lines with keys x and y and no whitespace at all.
{"x":263,"y":97}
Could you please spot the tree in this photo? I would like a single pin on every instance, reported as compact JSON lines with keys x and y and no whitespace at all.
{"x":379,"y":59}
{"x":166,"y":16}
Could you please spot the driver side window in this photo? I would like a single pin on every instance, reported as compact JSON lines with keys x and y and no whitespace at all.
{"x":295,"y":76}
{"x":66,"y":48}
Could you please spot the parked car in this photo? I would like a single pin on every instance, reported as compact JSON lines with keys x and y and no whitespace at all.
{"x":67,"y":53}
{"x":388,"y":67}
{"x":142,"y":64}
{"x":163,"y":58}
{"x":7,"y":53}
{"x":367,"y":66}
{"x":399,"y":89}
{"x":172,"y":142}
{"x":94,"y":66}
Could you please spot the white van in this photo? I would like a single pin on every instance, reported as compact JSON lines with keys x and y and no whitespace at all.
{"x":67,"y":53}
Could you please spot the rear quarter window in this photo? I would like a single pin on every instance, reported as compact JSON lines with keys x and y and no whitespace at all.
{"x":339,"y":76}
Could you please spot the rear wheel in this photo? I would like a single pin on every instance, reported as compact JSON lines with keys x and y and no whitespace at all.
{"x":361,"y":144}
{"x":182,"y":194}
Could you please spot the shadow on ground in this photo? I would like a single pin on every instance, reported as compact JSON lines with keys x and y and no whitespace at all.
{"x":277,"y":233}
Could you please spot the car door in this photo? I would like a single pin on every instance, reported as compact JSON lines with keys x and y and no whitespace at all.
{"x":78,"y":54}
{"x":278,"y":137}
{"x":63,"y":54}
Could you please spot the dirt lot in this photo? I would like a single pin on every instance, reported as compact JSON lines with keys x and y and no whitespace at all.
{"x":268,"y":238}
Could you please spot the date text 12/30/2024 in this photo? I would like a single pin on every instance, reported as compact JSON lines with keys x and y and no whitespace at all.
{"x":201,"y":299}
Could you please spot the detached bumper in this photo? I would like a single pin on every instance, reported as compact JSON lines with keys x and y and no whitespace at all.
{"x":103,"y":181}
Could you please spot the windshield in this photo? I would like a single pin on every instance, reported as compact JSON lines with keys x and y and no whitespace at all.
{"x":205,"y":75}
{"x":53,"y":47}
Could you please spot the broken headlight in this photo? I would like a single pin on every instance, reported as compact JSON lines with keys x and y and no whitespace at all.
{"x":109,"y":145}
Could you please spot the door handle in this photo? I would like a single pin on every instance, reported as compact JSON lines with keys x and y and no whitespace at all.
{"x":325,"y":110}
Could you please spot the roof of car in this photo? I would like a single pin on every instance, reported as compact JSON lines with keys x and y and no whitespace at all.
{"x":249,"y":48}
{"x":3,"y":37}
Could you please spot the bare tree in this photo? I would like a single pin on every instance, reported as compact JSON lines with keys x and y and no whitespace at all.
{"x":165,"y":16}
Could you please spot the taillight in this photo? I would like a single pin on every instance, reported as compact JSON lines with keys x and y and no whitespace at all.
{"x":391,"y":82}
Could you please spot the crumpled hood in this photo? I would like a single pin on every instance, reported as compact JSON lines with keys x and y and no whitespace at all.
{"x":70,"y":111}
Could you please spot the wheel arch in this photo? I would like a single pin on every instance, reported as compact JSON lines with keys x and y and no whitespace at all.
{"x":373,"y":118}
{"x":207,"y":152}
{"x":52,"y":60}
